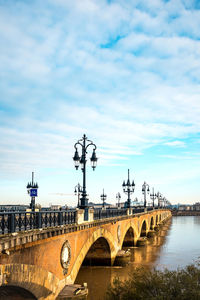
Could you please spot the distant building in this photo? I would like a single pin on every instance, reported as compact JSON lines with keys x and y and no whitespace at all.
{"x":13,"y":207}
{"x":196,"y":206}
{"x":55,"y":207}
{"x":100,"y":205}
{"x":181,"y":207}
{"x":121,"y":205}
{"x":188,"y":207}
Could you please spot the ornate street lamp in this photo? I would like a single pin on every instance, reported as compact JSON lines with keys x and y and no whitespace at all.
{"x":145,"y":190}
{"x":84,"y":143}
{"x":164,"y":201}
{"x":128,"y":188}
{"x":118,"y":197}
{"x":159,"y":196}
{"x":32,"y":189}
{"x":103,"y":198}
{"x":153,"y":197}
{"x":77,"y":191}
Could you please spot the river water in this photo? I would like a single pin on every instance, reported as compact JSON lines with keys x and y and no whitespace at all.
{"x":177,"y":244}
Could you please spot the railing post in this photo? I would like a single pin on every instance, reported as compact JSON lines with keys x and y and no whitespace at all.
{"x":25,"y":221}
{"x":20,"y":222}
{"x":79,"y":216}
{"x":86,"y":214}
{"x":91,"y":215}
{"x":11,"y":222}
{"x":3,"y":224}
{"x":38,"y":219}
{"x":60,"y":218}
{"x":74,"y":216}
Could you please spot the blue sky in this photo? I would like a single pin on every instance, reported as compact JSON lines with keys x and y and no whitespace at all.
{"x":125,"y":73}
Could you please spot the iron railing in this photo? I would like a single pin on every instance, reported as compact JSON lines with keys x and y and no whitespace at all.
{"x":23,"y":220}
{"x":20,"y":221}
{"x":137,"y":210}
{"x":109,"y":213}
{"x":150,"y":208}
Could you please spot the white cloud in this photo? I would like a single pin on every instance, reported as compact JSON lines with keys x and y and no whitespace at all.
{"x":175,"y":144}
{"x":126,"y":73}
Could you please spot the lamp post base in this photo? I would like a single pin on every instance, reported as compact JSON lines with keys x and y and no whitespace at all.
{"x":83,"y":203}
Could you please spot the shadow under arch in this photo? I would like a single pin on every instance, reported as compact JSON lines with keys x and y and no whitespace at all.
{"x":152,"y":223}
{"x":143,"y":231}
{"x":135,"y":233}
{"x":128,"y":240}
{"x":11,"y":292}
{"x":156,"y":219}
{"x":99,"y":233}
{"x":99,"y":254}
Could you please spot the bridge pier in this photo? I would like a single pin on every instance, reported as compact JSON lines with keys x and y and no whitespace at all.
{"x":122,"y":257}
{"x":141,"y":241}
{"x":151,"y":233}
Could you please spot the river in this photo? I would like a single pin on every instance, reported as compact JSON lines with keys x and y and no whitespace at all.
{"x":177,"y":244}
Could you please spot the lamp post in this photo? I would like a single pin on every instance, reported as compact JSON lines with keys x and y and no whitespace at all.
{"x":159,"y":196}
{"x":128,"y":189}
{"x":164,"y":201}
{"x":84,"y":143}
{"x":145,"y":190}
{"x":118,"y":197}
{"x":32,"y":191}
{"x":103,"y":198}
{"x":153,"y":196}
{"x":77,"y":191}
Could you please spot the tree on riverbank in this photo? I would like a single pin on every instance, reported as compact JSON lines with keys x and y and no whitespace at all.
{"x":143,"y":284}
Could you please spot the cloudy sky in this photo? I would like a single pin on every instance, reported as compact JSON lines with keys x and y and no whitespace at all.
{"x":125,"y":73}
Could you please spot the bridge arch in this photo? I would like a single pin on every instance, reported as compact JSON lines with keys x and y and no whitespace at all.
{"x":143,"y":230}
{"x":128,"y":238}
{"x":99,"y":233}
{"x":152,"y":223}
{"x":130,"y":229}
{"x":98,"y":254}
{"x":156,"y":219}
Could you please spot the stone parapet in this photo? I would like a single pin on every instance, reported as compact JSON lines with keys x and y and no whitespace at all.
{"x":11,"y":241}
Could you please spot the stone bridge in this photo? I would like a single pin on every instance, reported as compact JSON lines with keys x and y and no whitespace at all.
{"x":42,"y":261}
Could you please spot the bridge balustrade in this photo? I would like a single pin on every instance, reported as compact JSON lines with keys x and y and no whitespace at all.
{"x":137,"y":210}
{"x":20,"y":221}
{"x":149,"y":208}
{"x":109,"y":213}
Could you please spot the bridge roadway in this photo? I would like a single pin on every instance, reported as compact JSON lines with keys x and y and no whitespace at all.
{"x":42,"y":261}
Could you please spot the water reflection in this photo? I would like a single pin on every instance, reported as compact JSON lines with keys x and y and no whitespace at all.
{"x":182,"y":244}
